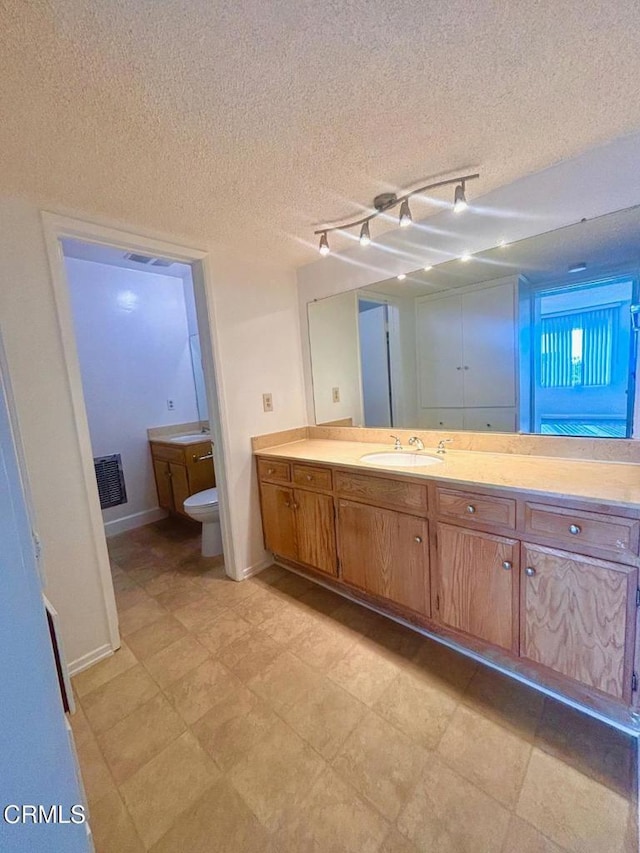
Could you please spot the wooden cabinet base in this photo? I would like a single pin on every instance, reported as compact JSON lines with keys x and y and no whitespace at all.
{"x":538,"y":677}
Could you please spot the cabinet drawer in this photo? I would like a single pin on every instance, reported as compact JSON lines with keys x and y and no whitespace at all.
{"x":394,"y":493}
{"x":576,"y":528}
{"x":307,"y":475}
{"x":270,"y":469}
{"x":475,"y":509}
{"x":167,"y":453}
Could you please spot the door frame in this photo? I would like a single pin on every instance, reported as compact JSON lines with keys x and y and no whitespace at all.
{"x":57,"y":227}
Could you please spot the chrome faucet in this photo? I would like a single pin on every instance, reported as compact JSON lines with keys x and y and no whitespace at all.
{"x":419,"y":443}
{"x":397,"y":445}
{"x":441,"y":445}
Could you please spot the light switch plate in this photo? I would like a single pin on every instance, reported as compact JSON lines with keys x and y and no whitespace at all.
{"x":335,"y":395}
{"x":267,"y":402}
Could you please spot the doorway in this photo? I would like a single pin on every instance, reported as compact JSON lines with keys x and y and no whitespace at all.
{"x":375,"y":363}
{"x":60,"y":234}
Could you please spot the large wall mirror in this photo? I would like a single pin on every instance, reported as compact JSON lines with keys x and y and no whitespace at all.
{"x":536,"y":336}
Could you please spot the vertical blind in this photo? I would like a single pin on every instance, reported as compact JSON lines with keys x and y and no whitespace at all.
{"x":577,"y":348}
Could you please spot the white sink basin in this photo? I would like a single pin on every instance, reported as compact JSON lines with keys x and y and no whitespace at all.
{"x":188,"y":439}
{"x":400,"y":459}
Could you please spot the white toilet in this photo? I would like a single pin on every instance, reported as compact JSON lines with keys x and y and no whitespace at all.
{"x":203,"y":507}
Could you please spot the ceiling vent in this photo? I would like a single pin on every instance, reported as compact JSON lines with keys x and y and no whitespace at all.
{"x":143,"y":259}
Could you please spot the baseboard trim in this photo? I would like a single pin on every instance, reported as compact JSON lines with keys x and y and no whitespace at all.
{"x":250,"y":571}
{"x":136,"y":519}
{"x":84,"y":662}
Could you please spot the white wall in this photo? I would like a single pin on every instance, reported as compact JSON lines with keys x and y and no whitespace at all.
{"x":599,"y":181}
{"x":333,"y":330}
{"x":133,"y":345}
{"x":258,"y":343}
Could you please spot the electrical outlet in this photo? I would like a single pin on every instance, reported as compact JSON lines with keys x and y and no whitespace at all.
{"x":335,"y":395}
{"x":267,"y":402}
{"x":171,"y":405}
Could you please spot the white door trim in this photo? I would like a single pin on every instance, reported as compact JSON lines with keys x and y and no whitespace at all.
{"x":57,"y":227}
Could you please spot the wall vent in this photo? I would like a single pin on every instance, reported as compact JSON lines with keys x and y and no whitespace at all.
{"x":144,"y":259}
{"x":110,"y":477}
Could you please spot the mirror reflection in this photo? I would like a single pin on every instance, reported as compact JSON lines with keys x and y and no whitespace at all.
{"x":535,"y":336}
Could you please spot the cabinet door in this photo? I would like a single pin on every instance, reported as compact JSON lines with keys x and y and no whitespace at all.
{"x":278,"y":520}
{"x":578,"y":616}
{"x":489,"y":346}
{"x":200,"y":471}
{"x":179,"y":486}
{"x":490,"y":420}
{"x":315,"y":531}
{"x":439,"y":330}
{"x":441,"y":419}
{"x":163,"y":484}
{"x":478,"y":584}
{"x":385,"y":553}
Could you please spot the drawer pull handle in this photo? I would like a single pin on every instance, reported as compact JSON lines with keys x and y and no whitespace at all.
{"x":418,"y":539}
{"x":507,"y":565}
{"x":575,"y":529}
{"x":529,"y":571}
{"x":309,"y":477}
{"x":271,"y":470}
{"x":471,"y":509}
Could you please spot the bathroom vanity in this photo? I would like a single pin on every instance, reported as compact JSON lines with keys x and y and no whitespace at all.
{"x":182,"y":466}
{"x":528,"y":563}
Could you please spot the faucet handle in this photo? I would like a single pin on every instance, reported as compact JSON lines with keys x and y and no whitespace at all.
{"x":441,"y":444}
{"x":398,"y":444}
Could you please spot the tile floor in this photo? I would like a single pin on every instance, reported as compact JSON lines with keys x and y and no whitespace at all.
{"x":272,"y":716}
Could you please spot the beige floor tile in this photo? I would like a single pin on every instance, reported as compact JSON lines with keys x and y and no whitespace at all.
{"x":176,"y":660}
{"x":219,"y":821}
{"x":119,"y":697}
{"x":321,"y":601}
{"x":293,"y":585}
{"x":364,"y":673}
{"x":226,"y":591}
{"x":120,"y":661}
{"x":276,"y":774}
{"x":230,"y":732}
{"x":144,"y":574}
{"x":524,"y":838}
{"x":96,"y":777}
{"x":112,"y":828}
{"x":447,"y":814}
{"x":139,"y":737}
{"x":285,"y":681}
{"x":393,"y":641}
{"x":223,"y":629}
{"x":167,"y":785}
{"x":166,"y":581}
{"x":267,"y":577}
{"x":175,"y":599}
{"x":209,"y":685}
{"x":79,"y":723}
{"x":442,"y":665}
{"x":198,"y":614}
{"x":259,"y":607}
{"x":290,"y":622}
{"x":324,"y":716}
{"x":381,"y":763}
{"x":514,"y":706}
{"x":121,"y":580}
{"x":396,"y":843}
{"x":354,"y":618}
{"x":595,"y":749}
{"x":486,"y":754}
{"x":139,"y":615}
{"x":321,"y":645}
{"x":250,"y":654}
{"x":332,"y":818}
{"x":571,"y":809}
{"x":155,"y":637}
{"x":130,"y":595}
{"x":418,"y":708}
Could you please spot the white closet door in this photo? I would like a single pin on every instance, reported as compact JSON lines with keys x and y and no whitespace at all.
{"x":489,"y":347}
{"x":439,"y":329}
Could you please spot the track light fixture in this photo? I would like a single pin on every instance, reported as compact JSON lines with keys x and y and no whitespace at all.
{"x":387,"y":201}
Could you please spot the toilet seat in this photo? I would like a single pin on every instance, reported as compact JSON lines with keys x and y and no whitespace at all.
{"x":207,"y":498}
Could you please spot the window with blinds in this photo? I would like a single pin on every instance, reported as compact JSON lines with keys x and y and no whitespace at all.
{"x":577,"y":348}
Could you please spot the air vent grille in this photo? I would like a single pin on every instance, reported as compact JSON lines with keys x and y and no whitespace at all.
{"x":144,"y":259}
{"x":110,"y":478}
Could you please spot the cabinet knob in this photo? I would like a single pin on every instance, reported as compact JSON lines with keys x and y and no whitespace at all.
{"x":471,"y":509}
{"x":309,"y":477}
{"x":507,"y":565}
{"x":529,"y":571}
{"x":458,"y":368}
{"x":575,"y":529}
{"x":271,"y":470}
{"x":417,"y":539}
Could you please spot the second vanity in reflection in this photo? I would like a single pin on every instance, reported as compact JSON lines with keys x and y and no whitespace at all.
{"x":542,"y":584}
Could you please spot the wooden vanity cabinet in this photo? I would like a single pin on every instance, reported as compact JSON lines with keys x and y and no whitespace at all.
{"x":578,"y":617}
{"x":477,"y":590}
{"x":180,"y":472}
{"x":385,"y":553}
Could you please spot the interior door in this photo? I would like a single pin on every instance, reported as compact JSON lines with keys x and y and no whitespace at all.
{"x":578,"y":617}
{"x":278,"y":520}
{"x":489,"y":346}
{"x":439,"y":345}
{"x":478,"y":584}
{"x":385,"y":553}
{"x":375,"y":364}
{"x":315,"y":530}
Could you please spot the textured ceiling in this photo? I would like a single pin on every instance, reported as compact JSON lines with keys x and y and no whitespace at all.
{"x":248,"y":123}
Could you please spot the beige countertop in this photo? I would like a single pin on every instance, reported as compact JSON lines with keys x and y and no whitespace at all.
{"x":613,"y":483}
